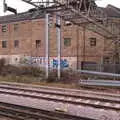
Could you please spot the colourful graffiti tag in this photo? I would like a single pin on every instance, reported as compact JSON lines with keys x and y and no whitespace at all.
{"x":63,"y":63}
{"x":40,"y":61}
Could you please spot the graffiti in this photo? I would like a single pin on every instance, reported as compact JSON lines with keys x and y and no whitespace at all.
{"x":24,"y":60}
{"x":63,"y":63}
{"x":38,"y":60}
{"x":32,"y":60}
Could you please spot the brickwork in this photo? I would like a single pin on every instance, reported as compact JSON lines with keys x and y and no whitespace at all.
{"x":28,"y":31}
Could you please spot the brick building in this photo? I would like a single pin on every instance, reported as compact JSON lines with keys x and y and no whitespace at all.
{"x":22,"y":40}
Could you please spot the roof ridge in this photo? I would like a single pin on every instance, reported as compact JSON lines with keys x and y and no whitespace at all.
{"x":20,"y":17}
{"x":114,"y":8}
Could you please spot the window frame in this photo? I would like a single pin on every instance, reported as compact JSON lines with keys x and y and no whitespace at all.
{"x":67,"y":42}
{"x":106,"y":60}
{"x":38,"y":43}
{"x":4,"y":28}
{"x":93,"y":41}
{"x":16,"y":26}
{"x":4,"y":44}
{"x":16,"y":43}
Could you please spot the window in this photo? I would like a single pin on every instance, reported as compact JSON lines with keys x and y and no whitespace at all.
{"x":67,"y":42}
{"x":16,"y":43}
{"x":4,"y":28}
{"x":4,"y":44}
{"x":92,"y":42}
{"x":38,"y":43}
{"x":15,"y":27}
{"x":106,"y":60}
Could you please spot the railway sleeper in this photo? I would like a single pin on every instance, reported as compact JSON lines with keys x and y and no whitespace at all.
{"x":23,"y":113}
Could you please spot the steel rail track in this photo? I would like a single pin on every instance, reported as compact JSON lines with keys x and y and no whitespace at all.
{"x":62,"y":97}
{"x":26,"y":113}
{"x":61,"y":94}
{"x":60,"y":89}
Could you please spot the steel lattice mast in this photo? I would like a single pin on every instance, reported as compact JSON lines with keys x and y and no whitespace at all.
{"x":80,"y":12}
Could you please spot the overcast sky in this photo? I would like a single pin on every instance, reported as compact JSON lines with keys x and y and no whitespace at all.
{"x":21,"y":6}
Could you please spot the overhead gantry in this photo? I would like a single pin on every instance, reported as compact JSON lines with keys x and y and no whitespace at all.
{"x":84,"y":13}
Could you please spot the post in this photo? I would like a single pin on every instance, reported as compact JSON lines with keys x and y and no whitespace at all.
{"x":47,"y":45}
{"x":58,"y":27}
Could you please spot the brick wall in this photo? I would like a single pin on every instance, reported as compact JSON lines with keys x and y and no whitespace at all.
{"x":31,"y":30}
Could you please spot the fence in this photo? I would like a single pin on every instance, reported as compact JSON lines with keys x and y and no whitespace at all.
{"x":110,"y":68}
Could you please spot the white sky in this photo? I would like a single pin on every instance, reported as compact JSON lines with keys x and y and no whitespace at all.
{"x":22,"y":6}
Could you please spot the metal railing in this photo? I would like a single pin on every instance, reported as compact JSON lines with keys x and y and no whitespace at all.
{"x":108,"y":83}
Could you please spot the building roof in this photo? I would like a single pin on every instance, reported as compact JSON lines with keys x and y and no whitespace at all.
{"x":110,"y":11}
{"x":22,"y":16}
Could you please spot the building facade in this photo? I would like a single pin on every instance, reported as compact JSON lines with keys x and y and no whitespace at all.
{"x":22,"y":41}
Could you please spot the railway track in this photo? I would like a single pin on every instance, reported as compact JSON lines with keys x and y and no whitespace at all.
{"x":85,"y":98}
{"x":56,"y":89}
{"x":27,"y":113}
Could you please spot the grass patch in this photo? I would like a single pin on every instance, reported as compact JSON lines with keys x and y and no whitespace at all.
{"x":19,"y":79}
{"x":34,"y":81}
{"x":36,"y":76}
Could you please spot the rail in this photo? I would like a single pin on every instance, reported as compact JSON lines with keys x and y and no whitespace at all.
{"x":25,"y":113}
{"x":78,"y":100}
{"x":109,"y":83}
{"x":99,"y":73}
{"x":64,"y":97}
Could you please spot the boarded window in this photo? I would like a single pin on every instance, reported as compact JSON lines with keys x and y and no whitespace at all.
{"x":92,"y":41}
{"x":16,"y":43}
{"x":15,"y":27}
{"x":4,"y":28}
{"x":106,"y":60}
{"x":4,"y":44}
{"x":38,"y":43}
{"x":67,"y":42}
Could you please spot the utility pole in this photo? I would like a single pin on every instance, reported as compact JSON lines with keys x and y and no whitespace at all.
{"x":47,"y":45}
{"x":58,"y":27}
{"x":4,"y":6}
{"x":116,"y":56}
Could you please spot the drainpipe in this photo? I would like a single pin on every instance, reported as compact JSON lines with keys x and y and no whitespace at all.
{"x":84,"y":43}
{"x":77,"y":45}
